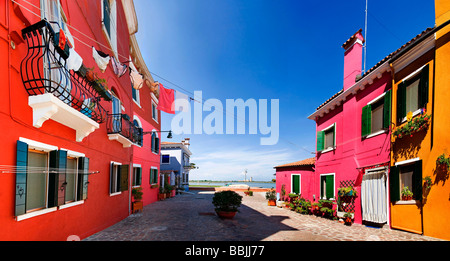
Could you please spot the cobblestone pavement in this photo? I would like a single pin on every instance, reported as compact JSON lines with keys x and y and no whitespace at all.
{"x":191,"y":217}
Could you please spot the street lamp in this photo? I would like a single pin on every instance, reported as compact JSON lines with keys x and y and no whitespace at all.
{"x":169,"y":136}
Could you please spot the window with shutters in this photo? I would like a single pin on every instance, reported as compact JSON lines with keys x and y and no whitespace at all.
{"x":412,"y":93}
{"x":327,"y":186}
{"x":155,"y":142}
{"x":109,"y":23}
{"x":118,"y":178}
{"x":376,"y":116}
{"x":48,"y":177}
{"x":406,"y":174}
{"x":153,"y":176}
{"x":154,"y":111}
{"x":137,"y":175}
{"x":326,"y":139}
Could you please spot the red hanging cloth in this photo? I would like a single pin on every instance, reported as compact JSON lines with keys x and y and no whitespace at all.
{"x":166,"y":100}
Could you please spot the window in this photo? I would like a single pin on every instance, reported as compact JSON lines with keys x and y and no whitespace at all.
{"x":155,"y":142}
{"x":138,"y":133}
{"x":109,"y":22}
{"x":137,"y":175}
{"x":153,"y":176}
{"x":36,"y":182}
{"x":165,"y":159}
{"x":118,"y":178}
{"x":406,"y":174}
{"x":38,"y":188}
{"x":71,"y":179}
{"x":376,"y":116}
{"x":326,"y":139}
{"x":412,"y":93}
{"x":136,"y":96}
{"x":154,"y":111}
{"x":327,"y":186}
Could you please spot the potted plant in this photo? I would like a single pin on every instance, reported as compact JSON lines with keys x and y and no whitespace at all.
{"x":443,"y":162}
{"x":248,"y":192}
{"x":348,"y":218}
{"x":161,"y":194}
{"x":271,"y":197}
{"x":137,"y":199}
{"x":427,"y":182}
{"x":226,"y":203}
{"x":406,"y":193}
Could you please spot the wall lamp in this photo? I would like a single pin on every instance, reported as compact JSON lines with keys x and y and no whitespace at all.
{"x":169,"y":136}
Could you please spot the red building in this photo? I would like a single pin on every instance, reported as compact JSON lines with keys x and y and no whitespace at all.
{"x":73,"y":145}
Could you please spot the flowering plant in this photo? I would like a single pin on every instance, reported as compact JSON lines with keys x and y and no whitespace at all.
{"x":413,"y":124}
{"x":443,"y":161}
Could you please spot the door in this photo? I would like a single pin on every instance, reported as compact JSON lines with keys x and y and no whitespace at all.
{"x":117,"y":115}
{"x":374,"y":196}
{"x":296,"y":183}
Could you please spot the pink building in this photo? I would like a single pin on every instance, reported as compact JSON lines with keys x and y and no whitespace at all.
{"x":297,"y":177}
{"x":353,"y":143}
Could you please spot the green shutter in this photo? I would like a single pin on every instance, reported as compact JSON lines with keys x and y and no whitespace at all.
{"x":296,"y":184}
{"x":330,"y":186}
{"x":153,"y":142}
{"x":394,"y":180}
{"x":366,"y":120}
{"x":111,"y":177}
{"x":21,"y":178}
{"x":423,"y":86}
{"x":124,"y":178}
{"x":157,"y":145}
{"x":401,"y":101}
{"x":320,"y":140}
{"x":83,"y":178}
{"x":57,"y":178}
{"x":387,"y":110}
{"x":417,"y":180}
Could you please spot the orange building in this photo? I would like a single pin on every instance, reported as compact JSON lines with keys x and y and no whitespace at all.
{"x":419,"y":191}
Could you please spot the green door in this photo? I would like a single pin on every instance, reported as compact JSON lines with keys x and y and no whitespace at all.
{"x":296,"y":183}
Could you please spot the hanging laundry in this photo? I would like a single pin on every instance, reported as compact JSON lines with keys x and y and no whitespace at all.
{"x":101,"y":59}
{"x":119,"y":69}
{"x":74,"y":61}
{"x":181,"y":102}
{"x":137,"y":79}
{"x":166,"y":100}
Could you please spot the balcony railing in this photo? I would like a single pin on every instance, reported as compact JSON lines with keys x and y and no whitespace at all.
{"x":120,"y":124}
{"x":44,"y":70}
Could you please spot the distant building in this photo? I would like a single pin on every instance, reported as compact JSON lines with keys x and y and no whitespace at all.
{"x":175,"y":164}
{"x":297,"y":177}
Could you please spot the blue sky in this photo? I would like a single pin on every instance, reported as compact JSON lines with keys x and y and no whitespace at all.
{"x":288,"y":50}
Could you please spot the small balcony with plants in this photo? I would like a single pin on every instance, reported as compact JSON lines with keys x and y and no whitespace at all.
{"x":56,"y":92}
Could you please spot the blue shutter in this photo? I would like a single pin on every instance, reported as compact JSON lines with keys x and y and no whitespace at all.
{"x":21,"y":178}
{"x":83,"y":178}
{"x":57,"y":179}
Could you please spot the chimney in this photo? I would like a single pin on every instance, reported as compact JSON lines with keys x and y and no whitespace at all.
{"x":352,"y":58}
{"x":185,"y":142}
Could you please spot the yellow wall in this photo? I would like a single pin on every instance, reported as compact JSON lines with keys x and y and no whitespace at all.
{"x":409,"y":217}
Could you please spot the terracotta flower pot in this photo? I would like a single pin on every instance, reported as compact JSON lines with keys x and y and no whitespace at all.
{"x":226,"y":214}
{"x":272,"y":202}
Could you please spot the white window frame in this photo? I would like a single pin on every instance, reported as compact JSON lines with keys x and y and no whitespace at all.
{"x":134,"y":177}
{"x":335,"y":143}
{"x":334,"y":187}
{"x":151,"y":168}
{"x":110,"y":180}
{"x":156,"y":112}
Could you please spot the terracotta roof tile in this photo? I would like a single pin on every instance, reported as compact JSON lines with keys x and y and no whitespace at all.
{"x":306,"y":162}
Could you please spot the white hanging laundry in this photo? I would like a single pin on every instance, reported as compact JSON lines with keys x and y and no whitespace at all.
{"x":101,"y":59}
{"x":74,"y":61}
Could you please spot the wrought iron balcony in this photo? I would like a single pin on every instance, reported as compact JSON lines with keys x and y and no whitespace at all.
{"x":120,"y":128}
{"x":44,"y":71}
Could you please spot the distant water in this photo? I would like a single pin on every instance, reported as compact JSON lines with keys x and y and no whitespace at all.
{"x":251,"y":184}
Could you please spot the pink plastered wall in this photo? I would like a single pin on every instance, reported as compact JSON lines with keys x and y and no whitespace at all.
{"x":283,"y":176}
